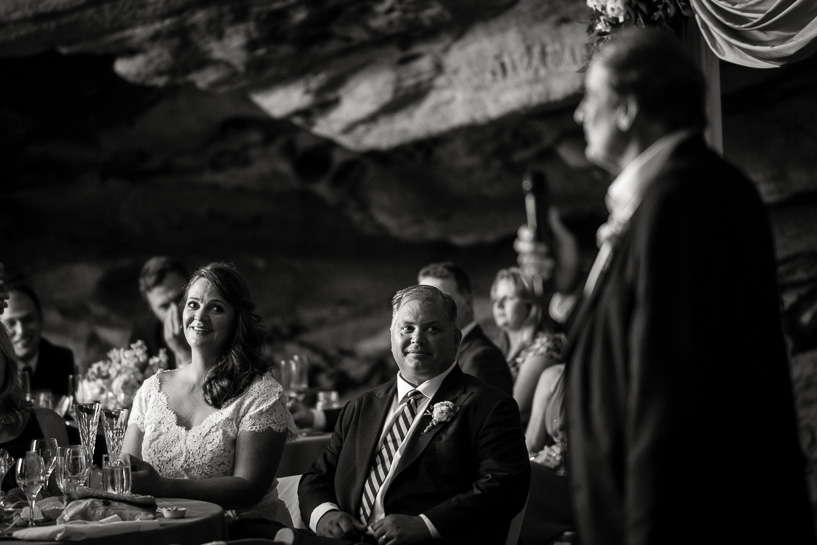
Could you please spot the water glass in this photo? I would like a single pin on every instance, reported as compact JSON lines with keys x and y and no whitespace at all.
{"x":116,"y":478}
{"x":114,"y":424}
{"x":31,"y":477}
{"x":77,"y":462}
{"x":87,"y":416}
{"x":294,"y":377}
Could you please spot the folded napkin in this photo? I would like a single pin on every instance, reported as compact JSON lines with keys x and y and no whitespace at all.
{"x":79,"y":530}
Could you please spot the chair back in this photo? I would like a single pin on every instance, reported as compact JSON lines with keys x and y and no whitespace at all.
{"x":288,"y":493}
{"x":516,"y":525}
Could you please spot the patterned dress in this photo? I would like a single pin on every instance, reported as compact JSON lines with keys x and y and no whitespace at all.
{"x":208,"y":449}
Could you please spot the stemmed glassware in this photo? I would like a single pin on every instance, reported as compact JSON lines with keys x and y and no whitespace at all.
{"x":6,"y":462}
{"x":47,"y":449}
{"x":114,"y":424}
{"x":87,"y":415}
{"x":31,"y":477}
{"x":59,"y":476}
{"x":76,"y":466}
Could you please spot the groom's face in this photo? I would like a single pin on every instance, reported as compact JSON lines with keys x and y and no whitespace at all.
{"x":423,"y":341}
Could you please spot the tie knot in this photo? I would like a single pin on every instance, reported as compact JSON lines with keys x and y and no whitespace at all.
{"x":413,"y":395}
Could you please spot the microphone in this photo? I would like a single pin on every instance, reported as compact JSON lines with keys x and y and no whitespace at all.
{"x":537,"y":204}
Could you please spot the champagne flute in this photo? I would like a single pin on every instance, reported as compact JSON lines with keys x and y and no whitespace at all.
{"x":47,"y":448}
{"x":114,"y":424}
{"x":88,"y":423}
{"x":31,"y":475}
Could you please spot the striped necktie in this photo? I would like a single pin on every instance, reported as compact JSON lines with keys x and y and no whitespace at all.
{"x":392,"y":440}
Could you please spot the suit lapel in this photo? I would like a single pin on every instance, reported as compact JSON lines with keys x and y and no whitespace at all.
{"x":452,"y":389}
{"x":370,"y":427}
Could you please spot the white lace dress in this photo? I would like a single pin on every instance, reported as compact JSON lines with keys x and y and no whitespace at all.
{"x":208,"y":449}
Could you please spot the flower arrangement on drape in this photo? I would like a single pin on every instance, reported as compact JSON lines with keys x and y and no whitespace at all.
{"x":754,"y":33}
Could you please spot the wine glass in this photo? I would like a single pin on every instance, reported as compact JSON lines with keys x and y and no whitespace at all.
{"x":76,"y":465}
{"x":114,"y":424}
{"x":59,"y":477}
{"x":6,"y":462}
{"x":47,"y":448}
{"x":87,"y":415}
{"x":31,"y":476}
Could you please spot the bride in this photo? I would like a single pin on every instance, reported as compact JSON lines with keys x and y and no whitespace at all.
{"x":215,"y":429}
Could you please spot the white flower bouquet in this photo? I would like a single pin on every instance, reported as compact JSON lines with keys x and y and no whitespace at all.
{"x":114,"y":381}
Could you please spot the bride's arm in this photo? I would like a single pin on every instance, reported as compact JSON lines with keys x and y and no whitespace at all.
{"x":257,"y":455}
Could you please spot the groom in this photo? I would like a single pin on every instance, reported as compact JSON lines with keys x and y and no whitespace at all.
{"x":460,"y":475}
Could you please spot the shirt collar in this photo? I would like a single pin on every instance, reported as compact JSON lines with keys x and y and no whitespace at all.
{"x":428,"y":388}
{"x":627,"y":190}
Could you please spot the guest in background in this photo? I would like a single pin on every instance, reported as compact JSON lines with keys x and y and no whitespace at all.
{"x":681,"y":418}
{"x":477,"y":355}
{"x":20,"y":420}
{"x":161,"y":283}
{"x":396,"y":475}
{"x":48,"y":366}
{"x":528,"y":341}
{"x":215,"y":429}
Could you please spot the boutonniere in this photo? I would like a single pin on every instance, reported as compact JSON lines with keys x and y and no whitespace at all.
{"x":610,"y":232}
{"x":440,"y":413}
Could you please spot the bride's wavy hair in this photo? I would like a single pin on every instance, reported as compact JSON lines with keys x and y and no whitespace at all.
{"x":240,"y":360}
{"x":12,"y":402}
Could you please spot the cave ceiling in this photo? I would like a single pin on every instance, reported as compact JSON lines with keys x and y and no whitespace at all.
{"x":367,"y":74}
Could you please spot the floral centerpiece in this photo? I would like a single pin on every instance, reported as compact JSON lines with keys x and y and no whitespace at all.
{"x":609,"y":15}
{"x":114,"y":381}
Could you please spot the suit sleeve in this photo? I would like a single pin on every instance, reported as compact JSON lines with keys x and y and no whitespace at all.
{"x":317,"y":485}
{"x":502,"y":476}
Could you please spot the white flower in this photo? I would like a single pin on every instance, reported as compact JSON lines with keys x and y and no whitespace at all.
{"x":615,"y":10}
{"x":440,"y":413}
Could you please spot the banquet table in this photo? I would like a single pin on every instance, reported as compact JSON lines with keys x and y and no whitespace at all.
{"x":203,"y":522}
{"x":300,"y":453}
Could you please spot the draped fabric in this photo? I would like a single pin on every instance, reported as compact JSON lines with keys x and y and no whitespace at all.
{"x":758,"y":33}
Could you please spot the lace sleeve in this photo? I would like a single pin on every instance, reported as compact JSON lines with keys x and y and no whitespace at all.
{"x":549,"y":344}
{"x":140,"y":403}
{"x":265,"y":408}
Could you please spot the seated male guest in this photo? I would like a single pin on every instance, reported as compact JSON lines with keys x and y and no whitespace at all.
{"x":47,"y":365}
{"x":161,"y":283}
{"x":477,"y":355}
{"x":393,"y":473}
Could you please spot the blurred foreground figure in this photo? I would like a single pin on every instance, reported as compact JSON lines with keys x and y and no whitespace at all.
{"x":681,"y":419}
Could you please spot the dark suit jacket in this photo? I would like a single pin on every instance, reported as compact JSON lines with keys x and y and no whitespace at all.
{"x":151,"y":330}
{"x":469,"y":476}
{"x":54,"y":365}
{"x":480,"y":357}
{"x":681,"y":416}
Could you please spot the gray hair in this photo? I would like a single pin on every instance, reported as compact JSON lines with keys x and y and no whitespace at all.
{"x":425,"y":294}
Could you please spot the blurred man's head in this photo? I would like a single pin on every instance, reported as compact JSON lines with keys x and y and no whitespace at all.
{"x":452,"y":280}
{"x":640,"y":85}
{"x":162,"y":282}
{"x":24,"y":320}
